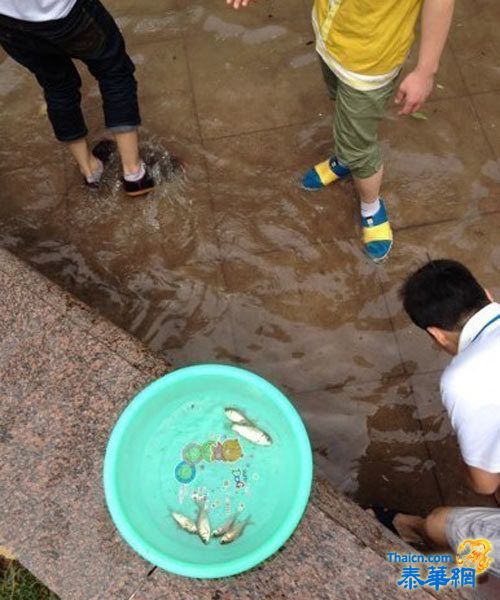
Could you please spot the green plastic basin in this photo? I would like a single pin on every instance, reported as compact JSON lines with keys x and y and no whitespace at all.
{"x":174,"y":441}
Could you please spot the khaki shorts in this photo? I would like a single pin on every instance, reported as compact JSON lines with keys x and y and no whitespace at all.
{"x":356,"y":122}
{"x":475,"y":523}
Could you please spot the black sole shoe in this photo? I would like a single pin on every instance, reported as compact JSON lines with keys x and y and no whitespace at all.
{"x":104,"y":149}
{"x":139,"y":188}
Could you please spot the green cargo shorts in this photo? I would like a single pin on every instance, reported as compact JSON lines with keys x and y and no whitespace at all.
{"x":356,"y":122}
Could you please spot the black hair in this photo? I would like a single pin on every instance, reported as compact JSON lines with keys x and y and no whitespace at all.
{"x":443,"y":293}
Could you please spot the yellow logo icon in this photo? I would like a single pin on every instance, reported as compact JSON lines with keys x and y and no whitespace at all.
{"x":473,"y":554}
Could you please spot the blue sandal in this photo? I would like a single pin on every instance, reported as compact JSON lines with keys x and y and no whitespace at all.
{"x":323,"y":174}
{"x":377,"y":234}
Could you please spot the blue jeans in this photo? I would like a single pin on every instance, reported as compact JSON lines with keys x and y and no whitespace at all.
{"x":90,"y":34}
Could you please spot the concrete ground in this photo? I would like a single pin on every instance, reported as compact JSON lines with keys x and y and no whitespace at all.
{"x":65,"y":376}
{"x":238,"y":264}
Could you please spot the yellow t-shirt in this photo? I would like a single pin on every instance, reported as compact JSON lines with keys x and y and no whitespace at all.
{"x":365,"y":42}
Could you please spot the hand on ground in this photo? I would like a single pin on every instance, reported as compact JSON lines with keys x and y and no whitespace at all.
{"x":413,"y":92}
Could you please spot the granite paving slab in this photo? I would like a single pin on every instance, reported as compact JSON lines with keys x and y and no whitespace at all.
{"x":322,"y":561}
{"x":66,"y":375}
{"x":52,"y":299}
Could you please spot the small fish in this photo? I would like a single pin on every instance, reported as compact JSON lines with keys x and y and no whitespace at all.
{"x":234,"y":415}
{"x":220,"y":531}
{"x":184,"y":522}
{"x":253,"y":434}
{"x":234,"y":532}
{"x":202,"y":522}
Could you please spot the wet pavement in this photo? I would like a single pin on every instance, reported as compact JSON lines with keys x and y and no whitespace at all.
{"x":236,"y":264}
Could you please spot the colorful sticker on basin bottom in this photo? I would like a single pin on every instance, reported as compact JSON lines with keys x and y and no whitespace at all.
{"x":184,"y":472}
{"x":227,"y":451}
{"x":192,"y":453}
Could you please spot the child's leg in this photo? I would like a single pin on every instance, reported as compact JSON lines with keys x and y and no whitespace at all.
{"x":97,"y":41}
{"x":430,"y":529}
{"x":61,"y":85}
{"x":128,"y":148}
{"x":369,"y":188}
{"x":356,"y":122}
{"x":90,"y":167}
{"x":327,"y":171}
{"x":434,"y":528}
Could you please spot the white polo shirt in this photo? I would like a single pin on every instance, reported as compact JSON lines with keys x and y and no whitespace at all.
{"x":470,"y":388}
{"x":36,"y":10}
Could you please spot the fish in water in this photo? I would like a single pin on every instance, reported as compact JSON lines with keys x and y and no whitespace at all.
{"x":236,"y":416}
{"x":184,"y":522}
{"x":202,"y":522}
{"x":234,"y":531}
{"x":253,"y":434}
{"x":220,"y":531}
